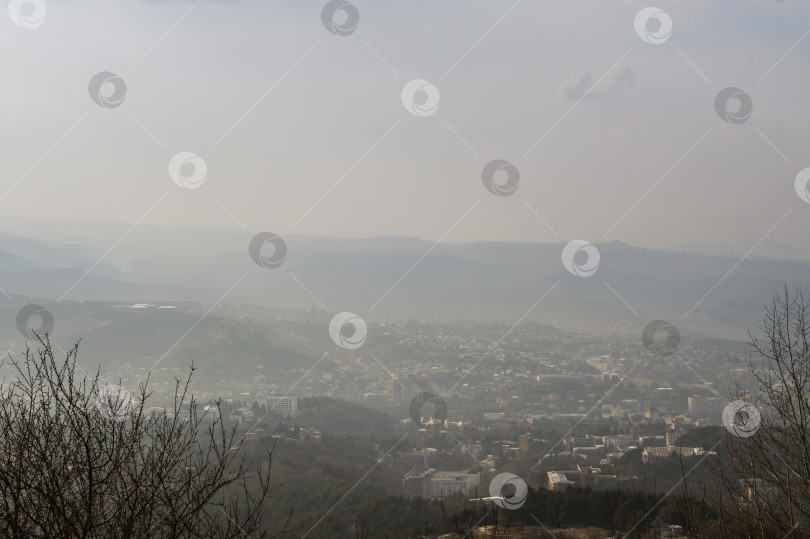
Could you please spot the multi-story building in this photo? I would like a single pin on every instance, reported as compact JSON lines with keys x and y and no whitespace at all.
{"x":705,"y":408}
{"x":591,"y":454}
{"x":443,"y":484}
{"x":619,"y":441}
{"x":285,"y":404}
{"x":585,"y":476}
{"x":417,"y":482}
{"x":404,"y":390}
{"x":658,"y":454}
{"x":401,"y":391}
{"x":558,"y":480}
{"x":673,"y":435}
{"x":424,"y":482}
{"x":524,"y":442}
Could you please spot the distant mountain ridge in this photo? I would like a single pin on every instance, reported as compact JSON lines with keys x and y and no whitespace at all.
{"x":407,"y":278}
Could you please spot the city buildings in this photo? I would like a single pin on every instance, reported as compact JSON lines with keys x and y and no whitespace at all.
{"x":565,"y":426}
{"x":622,"y":442}
{"x":404,"y":390}
{"x":705,"y":408}
{"x":417,"y":482}
{"x":659,"y":454}
{"x":424,"y":482}
{"x":672,"y":436}
{"x":558,"y":480}
{"x":444,"y":484}
{"x":285,"y":404}
{"x":585,"y":476}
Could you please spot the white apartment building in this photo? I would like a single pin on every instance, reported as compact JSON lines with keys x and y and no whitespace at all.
{"x":285,"y":404}
{"x":443,"y":484}
{"x":705,"y":407}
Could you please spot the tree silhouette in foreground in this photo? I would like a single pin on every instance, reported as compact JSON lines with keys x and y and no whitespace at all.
{"x":79,"y":458}
{"x":766,"y":477}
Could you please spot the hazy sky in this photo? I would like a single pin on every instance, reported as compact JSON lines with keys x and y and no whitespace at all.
{"x":305,"y":132}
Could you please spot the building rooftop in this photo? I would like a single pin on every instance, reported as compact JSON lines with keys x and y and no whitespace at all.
{"x":559,"y":478}
{"x":419,"y":472}
{"x":451,"y":475}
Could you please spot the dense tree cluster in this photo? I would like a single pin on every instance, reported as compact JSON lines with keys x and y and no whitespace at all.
{"x":82,"y":458}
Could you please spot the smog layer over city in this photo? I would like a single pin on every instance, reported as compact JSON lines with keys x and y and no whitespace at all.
{"x":436,"y":270}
